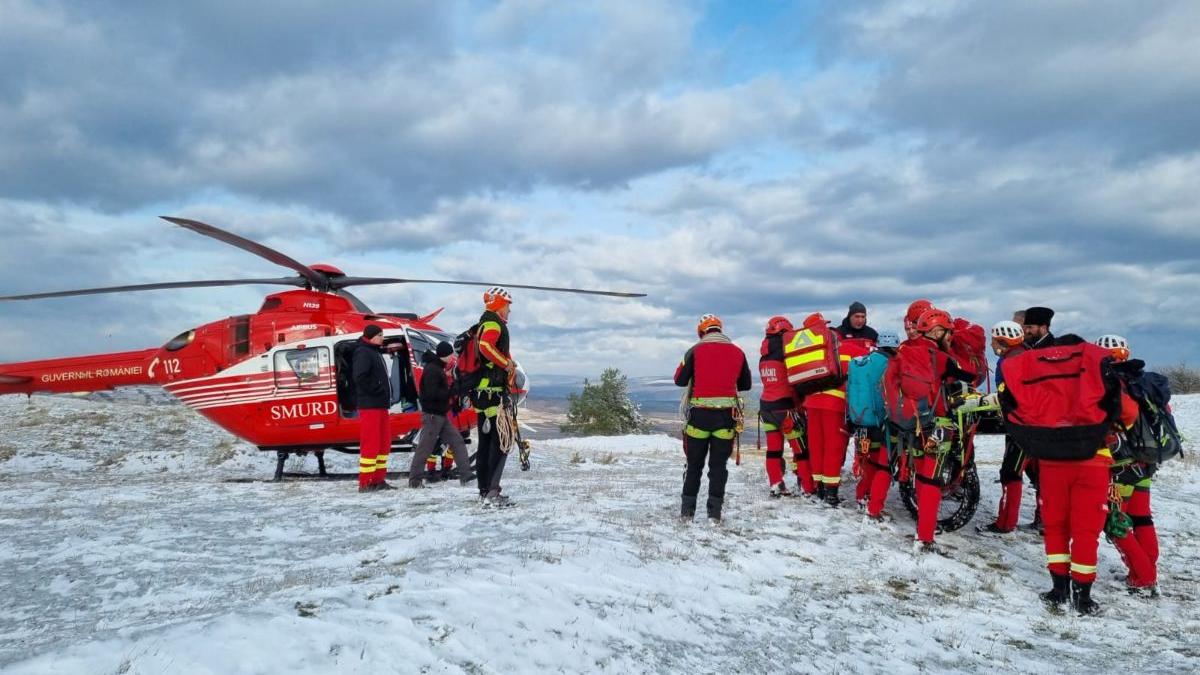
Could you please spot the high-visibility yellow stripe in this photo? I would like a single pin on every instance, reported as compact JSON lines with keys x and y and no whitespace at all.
{"x":818,"y":478}
{"x":1104,"y":452}
{"x":699,"y":434}
{"x":1053,"y":558}
{"x":831,"y":480}
{"x":836,"y":393}
{"x":724,"y":434}
{"x":801,"y":359}
{"x":1083,"y":569}
{"x":714,"y":402}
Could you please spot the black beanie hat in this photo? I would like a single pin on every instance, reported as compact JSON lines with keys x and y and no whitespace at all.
{"x":371,"y":331}
{"x":1038,"y":316}
{"x":857,"y":307}
{"x":444,"y":349}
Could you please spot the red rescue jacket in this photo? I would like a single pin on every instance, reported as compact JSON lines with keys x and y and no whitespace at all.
{"x":715,"y":368}
{"x":773,"y":375}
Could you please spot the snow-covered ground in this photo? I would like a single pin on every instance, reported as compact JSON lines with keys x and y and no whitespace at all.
{"x":129,"y":548}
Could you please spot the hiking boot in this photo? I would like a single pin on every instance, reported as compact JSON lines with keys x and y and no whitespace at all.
{"x":925,"y":547}
{"x":384,"y":486}
{"x":714,"y":508}
{"x":688,"y":510}
{"x":1036,"y":523}
{"x":820,"y":492}
{"x":831,"y":496}
{"x":1150,"y":591}
{"x":1061,"y":592}
{"x":1081,"y":598}
{"x":416,"y":483}
{"x":368,"y":488}
{"x":497,"y":500}
{"x":991,"y":528}
{"x":467,"y":479}
{"x":780,"y":490}
{"x":881,"y":517}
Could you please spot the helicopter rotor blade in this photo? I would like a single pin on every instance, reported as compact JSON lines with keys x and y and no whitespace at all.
{"x":342,"y":282}
{"x":282,"y":281}
{"x":315,"y":279}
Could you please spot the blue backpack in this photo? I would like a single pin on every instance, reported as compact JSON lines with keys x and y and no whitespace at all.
{"x":864,"y":391}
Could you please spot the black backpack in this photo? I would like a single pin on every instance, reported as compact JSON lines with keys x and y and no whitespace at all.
{"x":1154,"y":437}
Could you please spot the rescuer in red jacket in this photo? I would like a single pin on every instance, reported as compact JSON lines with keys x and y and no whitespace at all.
{"x":930,"y":346}
{"x":827,"y":428}
{"x":779,"y":413}
{"x":714,"y":370}
{"x":1074,"y":476}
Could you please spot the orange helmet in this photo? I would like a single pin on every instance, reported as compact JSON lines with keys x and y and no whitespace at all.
{"x":934,"y":318}
{"x":777,"y":325}
{"x":496,"y":298}
{"x":708,"y":322}
{"x":813,"y":319}
{"x":915,"y":310}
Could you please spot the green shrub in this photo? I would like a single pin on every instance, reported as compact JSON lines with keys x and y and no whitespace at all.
{"x":604,"y":409}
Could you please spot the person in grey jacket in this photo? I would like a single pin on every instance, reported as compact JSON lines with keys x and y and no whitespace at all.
{"x":436,"y":426}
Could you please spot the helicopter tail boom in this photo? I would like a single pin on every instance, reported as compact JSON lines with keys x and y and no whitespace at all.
{"x":79,"y":374}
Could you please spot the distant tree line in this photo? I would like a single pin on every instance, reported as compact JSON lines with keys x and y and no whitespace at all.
{"x":1184,"y":379}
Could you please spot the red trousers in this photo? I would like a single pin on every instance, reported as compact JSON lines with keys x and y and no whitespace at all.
{"x":827,"y":440}
{"x":375,"y":441}
{"x":929,"y":497}
{"x":876,"y":479}
{"x":1139,"y":548}
{"x":1074,"y":501}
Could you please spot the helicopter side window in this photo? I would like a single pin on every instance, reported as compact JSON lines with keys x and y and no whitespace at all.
{"x":420,"y":344}
{"x":302,"y":368}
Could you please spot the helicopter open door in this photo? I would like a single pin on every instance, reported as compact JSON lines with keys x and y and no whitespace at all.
{"x":401,"y":374}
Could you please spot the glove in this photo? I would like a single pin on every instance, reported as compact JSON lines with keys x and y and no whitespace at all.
{"x":992,"y":399}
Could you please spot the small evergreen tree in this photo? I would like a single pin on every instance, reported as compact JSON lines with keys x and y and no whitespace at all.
{"x":604,"y":409}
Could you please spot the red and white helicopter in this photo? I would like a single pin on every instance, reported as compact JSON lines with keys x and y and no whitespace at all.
{"x":277,"y":378}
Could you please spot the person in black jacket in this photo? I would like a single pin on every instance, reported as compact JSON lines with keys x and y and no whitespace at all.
{"x":374,"y":398}
{"x":854,"y":326}
{"x":435,"y":423}
{"x":1036,"y":324}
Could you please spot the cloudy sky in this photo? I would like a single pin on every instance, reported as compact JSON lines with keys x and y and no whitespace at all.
{"x":740,"y":158}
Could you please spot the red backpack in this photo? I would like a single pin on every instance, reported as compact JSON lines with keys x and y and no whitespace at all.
{"x":810,"y":356}
{"x":1065,"y":399}
{"x":912,"y":386}
{"x":467,"y":371}
{"x":968,"y":346}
